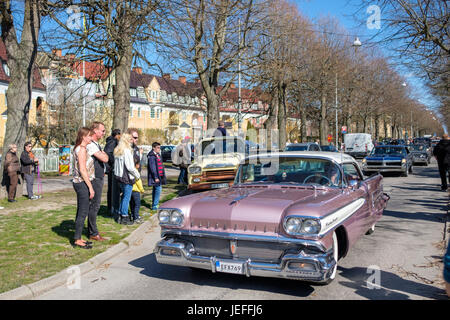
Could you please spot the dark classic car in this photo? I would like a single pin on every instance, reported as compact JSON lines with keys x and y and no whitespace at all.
{"x":307,"y":146}
{"x":288,"y":215}
{"x":421,"y":154}
{"x":389,"y":158}
{"x":328,"y":147}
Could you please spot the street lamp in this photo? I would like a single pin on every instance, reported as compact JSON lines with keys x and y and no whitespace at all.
{"x":356,"y":44}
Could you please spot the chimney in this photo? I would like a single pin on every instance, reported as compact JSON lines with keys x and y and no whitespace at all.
{"x":57,"y":52}
{"x":70,"y":56}
{"x":197,"y":80}
{"x":182,"y":79}
{"x":166,"y":76}
{"x":138,"y":70}
{"x":232,"y":85}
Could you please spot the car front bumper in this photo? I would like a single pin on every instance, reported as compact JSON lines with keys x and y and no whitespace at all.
{"x":314,"y":268}
{"x":385,"y":168}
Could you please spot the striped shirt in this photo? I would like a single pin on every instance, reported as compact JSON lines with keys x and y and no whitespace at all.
{"x":159,"y":165}
{"x":77,"y":178}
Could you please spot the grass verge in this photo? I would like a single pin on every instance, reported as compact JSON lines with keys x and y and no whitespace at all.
{"x":37,"y":244}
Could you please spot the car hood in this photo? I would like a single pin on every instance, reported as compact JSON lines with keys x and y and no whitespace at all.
{"x":255,"y":209}
{"x":419,"y":152}
{"x":219,"y":161}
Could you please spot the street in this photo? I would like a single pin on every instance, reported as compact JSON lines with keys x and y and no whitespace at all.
{"x":401,"y":260}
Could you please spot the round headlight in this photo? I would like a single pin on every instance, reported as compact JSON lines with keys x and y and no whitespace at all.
{"x":176,"y":217}
{"x":364,"y":161}
{"x":310,"y":226}
{"x":195,"y":170}
{"x":164,"y":216}
{"x":293,"y":225}
{"x":403,"y":160}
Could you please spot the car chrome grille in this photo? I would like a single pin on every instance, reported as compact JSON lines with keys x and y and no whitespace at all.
{"x":269,"y":252}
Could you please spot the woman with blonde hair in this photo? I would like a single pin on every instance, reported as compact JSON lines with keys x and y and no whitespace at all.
{"x":83,"y":174}
{"x":126,"y":174}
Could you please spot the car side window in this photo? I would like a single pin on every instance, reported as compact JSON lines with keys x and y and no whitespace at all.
{"x":351,"y":172}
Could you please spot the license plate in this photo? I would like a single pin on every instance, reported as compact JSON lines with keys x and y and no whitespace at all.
{"x":230,"y":267}
{"x":219,"y":185}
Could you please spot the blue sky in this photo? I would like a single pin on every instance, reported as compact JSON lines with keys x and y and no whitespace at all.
{"x":344,"y":11}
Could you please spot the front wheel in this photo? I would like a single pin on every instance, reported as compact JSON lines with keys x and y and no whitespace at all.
{"x":371,"y":230}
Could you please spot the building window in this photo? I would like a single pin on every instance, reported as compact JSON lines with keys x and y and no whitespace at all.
{"x":139,"y":112}
{"x":152,"y":113}
{"x":158,"y":113}
{"x":131,"y":112}
{"x":6,"y":69}
{"x":133,"y":92}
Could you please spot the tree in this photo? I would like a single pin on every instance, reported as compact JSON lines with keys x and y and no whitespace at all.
{"x":207,"y":39}
{"x":21,"y":62}
{"x":116,"y":31}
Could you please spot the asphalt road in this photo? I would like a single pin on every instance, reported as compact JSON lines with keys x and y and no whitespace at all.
{"x":401,"y":260}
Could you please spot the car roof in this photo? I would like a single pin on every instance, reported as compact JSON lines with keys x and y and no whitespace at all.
{"x":301,"y":144}
{"x":337,"y":157}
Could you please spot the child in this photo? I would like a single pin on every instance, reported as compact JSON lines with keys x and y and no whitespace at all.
{"x":135,"y":202}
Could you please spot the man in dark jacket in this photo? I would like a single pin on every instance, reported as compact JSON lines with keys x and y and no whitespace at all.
{"x":156,"y":173}
{"x":28,"y":164}
{"x":442,"y":154}
{"x":113,"y":195}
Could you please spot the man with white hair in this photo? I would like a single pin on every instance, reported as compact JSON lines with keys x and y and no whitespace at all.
{"x":181,"y":157}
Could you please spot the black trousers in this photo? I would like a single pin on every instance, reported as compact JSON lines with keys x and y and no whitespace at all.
{"x":29,"y":178}
{"x":83,"y":204}
{"x":94,"y":206}
{"x":443,"y":169}
{"x":113,"y":195}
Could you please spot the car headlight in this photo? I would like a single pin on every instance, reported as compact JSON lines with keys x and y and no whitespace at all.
{"x":172,"y":217}
{"x":364,"y":161}
{"x":195,"y":170}
{"x":403,"y":160}
{"x":302,"y":226}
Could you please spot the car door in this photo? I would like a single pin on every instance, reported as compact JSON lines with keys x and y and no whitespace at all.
{"x":366,"y":188}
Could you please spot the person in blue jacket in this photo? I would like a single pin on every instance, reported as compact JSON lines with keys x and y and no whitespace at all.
{"x":156,"y":173}
{"x":447,"y":269}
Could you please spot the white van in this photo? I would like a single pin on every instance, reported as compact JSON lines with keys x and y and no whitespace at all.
{"x":358,"y":145}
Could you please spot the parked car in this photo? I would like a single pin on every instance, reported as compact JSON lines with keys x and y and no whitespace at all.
{"x":421,"y":154}
{"x":216,"y":162}
{"x":358,"y":145}
{"x":293,"y":218}
{"x":307,"y":146}
{"x":389,"y":158}
{"x":166,"y":153}
{"x":329,"y":148}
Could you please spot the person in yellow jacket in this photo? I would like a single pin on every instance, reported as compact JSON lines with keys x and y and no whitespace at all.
{"x":135,"y":202}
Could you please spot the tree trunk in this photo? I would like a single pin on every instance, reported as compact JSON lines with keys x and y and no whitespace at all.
{"x":281,"y":115}
{"x":303,"y":125}
{"x":212,"y":112}
{"x":21,"y":58}
{"x":271,"y":121}
{"x":121,"y":94}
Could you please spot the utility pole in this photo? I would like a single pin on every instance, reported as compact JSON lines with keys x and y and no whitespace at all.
{"x":239,"y":79}
{"x":336,"y":107}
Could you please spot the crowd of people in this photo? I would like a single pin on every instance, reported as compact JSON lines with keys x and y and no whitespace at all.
{"x":121,"y":162}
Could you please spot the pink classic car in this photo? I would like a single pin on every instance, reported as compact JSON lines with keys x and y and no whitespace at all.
{"x":289,"y":215}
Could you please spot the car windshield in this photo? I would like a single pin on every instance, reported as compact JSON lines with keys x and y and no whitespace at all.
{"x":222,"y":146}
{"x":290,"y":170}
{"x":419,"y":147}
{"x":296,"y":148}
{"x":388,"y":151}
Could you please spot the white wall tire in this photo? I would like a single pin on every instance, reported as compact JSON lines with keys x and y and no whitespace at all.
{"x":335,"y":257}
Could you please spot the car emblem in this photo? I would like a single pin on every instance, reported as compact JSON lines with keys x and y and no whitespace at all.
{"x":233,"y":246}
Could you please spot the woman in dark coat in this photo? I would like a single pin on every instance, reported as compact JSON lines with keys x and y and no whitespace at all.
{"x":12,"y":170}
{"x":28,"y":164}
{"x":156,"y":173}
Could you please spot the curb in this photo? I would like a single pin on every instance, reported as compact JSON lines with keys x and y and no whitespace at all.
{"x":30,"y":291}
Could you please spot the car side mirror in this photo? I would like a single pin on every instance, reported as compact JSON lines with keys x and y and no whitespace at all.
{"x":354,"y":184}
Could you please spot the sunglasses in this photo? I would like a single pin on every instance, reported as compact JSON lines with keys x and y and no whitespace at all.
{"x":135,"y":137}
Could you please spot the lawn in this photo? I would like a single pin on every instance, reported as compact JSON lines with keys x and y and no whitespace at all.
{"x":37,"y":244}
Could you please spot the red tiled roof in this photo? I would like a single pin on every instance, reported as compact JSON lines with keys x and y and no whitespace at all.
{"x":93,"y":70}
{"x":37,"y":83}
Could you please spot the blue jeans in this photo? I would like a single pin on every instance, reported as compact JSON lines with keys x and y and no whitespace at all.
{"x":182,"y":178}
{"x":126,"y":190}
{"x":135,"y":204}
{"x":156,"y":194}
